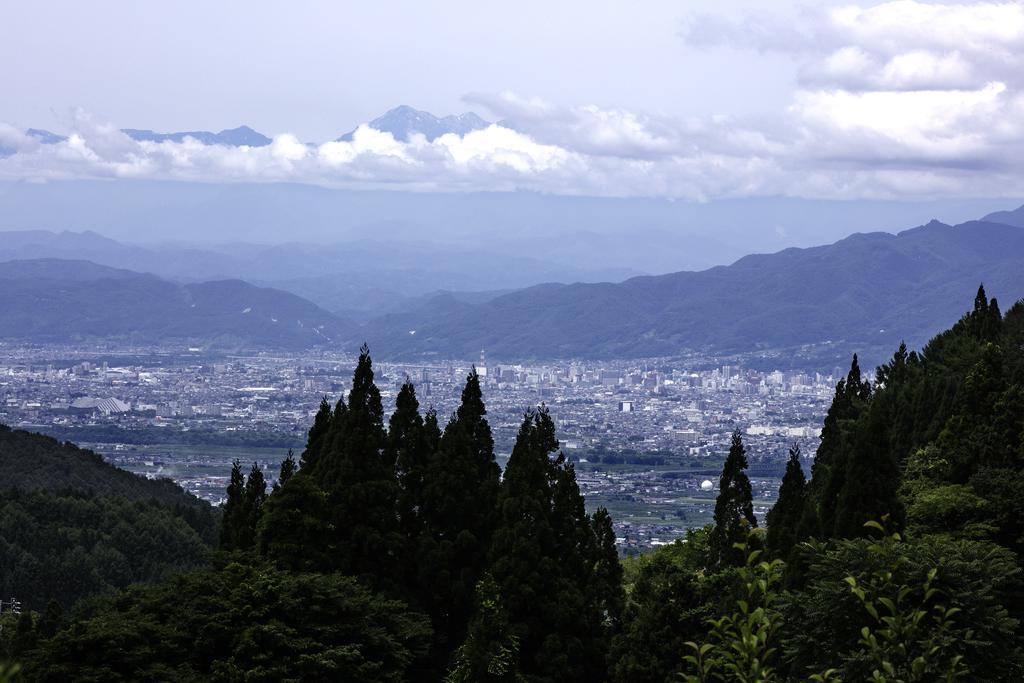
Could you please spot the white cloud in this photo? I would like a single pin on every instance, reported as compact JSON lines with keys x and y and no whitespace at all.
{"x":901,"y":45}
{"x":902,"y":99}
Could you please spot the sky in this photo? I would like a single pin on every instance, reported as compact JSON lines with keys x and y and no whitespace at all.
{"x":698,"y":101}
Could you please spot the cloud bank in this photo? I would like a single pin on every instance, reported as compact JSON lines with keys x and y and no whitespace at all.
{"x":902,"y":99}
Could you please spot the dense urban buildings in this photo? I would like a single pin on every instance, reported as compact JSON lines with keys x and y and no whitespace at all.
{"x":647,"y":436}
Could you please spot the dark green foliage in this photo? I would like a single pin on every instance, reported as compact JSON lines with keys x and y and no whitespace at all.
{"x":354,"y":470}
{"x":238,"y":623}
{"x":67,"y":546}
{"x":254,"y":497}
{"x":459,"y":491}
{"x":33,"y":462}
{"x":288,"y":468}
{"x":824,"y":621}
{"x":410,"y":452}
{"x":233,"y":520}
{"x":871,"y":481}
{"x":295,"y":529}
{"x":542,"y":559}
{"x":71,"y":525}
{"x":490,"y":653}
{"x":734,"y":507}
{"x":741,"y":644}
{"x":667,"y":606}
{"x":828,"y":473}
{"x":606,"y":582}
{"x":243,"y":508}
{"x":51,"y":620}
{"x":317,"y":433}
{"x":783,"y":519}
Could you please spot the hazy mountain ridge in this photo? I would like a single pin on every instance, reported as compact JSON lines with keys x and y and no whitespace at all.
{"x":580,"y":233}
{"x":362,"y":278}
{"x":1013,"y":217}
{"x":52,"y":300}
{"x":867,"y":289}
{"x":230,"y":137}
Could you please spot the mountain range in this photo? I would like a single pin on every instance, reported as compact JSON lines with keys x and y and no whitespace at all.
{"x":402,"y":122}
{"x":55,"y":300}
{"x":358,"y":279}
{"x":869,"y":290}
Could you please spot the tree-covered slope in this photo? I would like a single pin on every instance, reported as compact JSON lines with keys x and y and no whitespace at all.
{"x":33,"y":462}
{"x":72,"y":525}
{"x":866,"y":290}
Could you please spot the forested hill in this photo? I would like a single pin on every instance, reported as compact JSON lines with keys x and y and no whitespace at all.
{"x":56,"y":300}
{"x":33,"y":462}
{"x":868,"y":290}
{"x":72,"y":525}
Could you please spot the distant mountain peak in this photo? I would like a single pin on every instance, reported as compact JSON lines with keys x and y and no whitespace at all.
{"x":231,"y":137}
{"x":44,"y":136}
{"x":404,"y":121}
{"x":1014,"y":217}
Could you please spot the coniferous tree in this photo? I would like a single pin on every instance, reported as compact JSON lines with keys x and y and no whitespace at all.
{"x":784,"y":517}
{"x":431,"y":431}
{"x":295,"y":530}
{"x":607,"y":596}
{"x":407,"y":449}
{"x":459,"y":492}
{"x":871,"y":483}
{"x":734,"y":508}
{"x":288,"y":467}
{"x":353,"y":468}
{"x":828,"y":472}
{"x":317,"y":433}
{"x":254,"y":495}
{"x":234,"y":509}
{"x":546,"y":587}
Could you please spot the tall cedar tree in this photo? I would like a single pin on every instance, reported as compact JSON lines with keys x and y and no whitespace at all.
{"x":317,"y":432}
{"x":784,"y":517}
{"x":234,"y":509}
{"x":408,"y":450}
{"x":459,"y":494}
{"x":871,"y":483}
{"x":734,"y":508}
{"x":295,"y":530}
{"x":354,"y":470}
{"x":606,"y":589}
{"x":828,"y":473}
{"x":253,"y":498}
{"x":288,"y":467}
{"x":543,"y":560}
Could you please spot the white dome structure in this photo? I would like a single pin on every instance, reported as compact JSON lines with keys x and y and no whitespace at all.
{"x":707,"y":485}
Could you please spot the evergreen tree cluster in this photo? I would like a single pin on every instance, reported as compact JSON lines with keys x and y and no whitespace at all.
{"x":243,"y":507}
{"x":900,"y":558}
{"x":73,"y":525}
{"x":391,"y":550}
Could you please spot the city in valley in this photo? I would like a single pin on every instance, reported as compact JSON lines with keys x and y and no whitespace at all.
{"x":648,"y":437}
